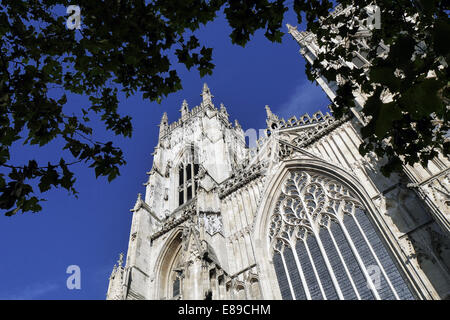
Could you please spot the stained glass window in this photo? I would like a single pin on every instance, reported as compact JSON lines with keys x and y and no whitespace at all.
{"x":325,"y":247}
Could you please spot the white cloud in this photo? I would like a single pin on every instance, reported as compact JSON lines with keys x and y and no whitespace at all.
{"x":31,"y":292}
{"x":306,"y":98}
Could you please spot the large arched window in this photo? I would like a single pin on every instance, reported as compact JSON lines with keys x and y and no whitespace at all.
{"x":325,"y":247}
{"x":187,"y":172}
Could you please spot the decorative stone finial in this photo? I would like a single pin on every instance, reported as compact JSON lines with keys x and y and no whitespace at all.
{"x":271,"y":118}
{"x":164,"y":119}
{"x":164,"y":125}
{"x":223,"y":110}
{"x":184,"y":108}
{"x":138,"y":202}
{"x":120,"y":261}
{"x":206,"y":95}
{"x":269,"y":112}
{"x":237,"y":125}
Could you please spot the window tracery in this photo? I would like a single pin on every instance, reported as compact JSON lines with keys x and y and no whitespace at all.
{"x":325,"y":247}
{"x":188,"y":170}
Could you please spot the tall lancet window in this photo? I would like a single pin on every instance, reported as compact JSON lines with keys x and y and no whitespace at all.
{"x":325,"y":247}
{"x":187,"y":176}
{"x":176,"y":287}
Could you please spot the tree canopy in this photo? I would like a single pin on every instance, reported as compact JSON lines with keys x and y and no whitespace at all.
{"x":128,"y":49}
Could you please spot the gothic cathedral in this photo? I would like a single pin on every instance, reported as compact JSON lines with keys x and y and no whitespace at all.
{"x":298,"y":215}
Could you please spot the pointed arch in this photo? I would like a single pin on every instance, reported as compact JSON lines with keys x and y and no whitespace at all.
{"x":290,"y":246}
{"x":186,"y":168}
{"x":168,"y":275}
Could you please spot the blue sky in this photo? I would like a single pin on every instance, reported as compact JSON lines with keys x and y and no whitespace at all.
{"x":90,"y":231}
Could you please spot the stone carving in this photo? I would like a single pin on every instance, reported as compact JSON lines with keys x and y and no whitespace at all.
{"x":213,"y":223}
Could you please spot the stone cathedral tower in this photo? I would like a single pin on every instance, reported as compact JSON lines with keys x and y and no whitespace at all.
{"x":299,"y":215}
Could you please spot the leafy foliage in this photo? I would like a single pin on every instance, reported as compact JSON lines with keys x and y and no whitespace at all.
{"x":406,"y":87}
{"x":128,"y":49}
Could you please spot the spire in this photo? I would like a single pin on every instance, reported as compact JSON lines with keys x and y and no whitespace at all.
{"x":206,"y":95}
{"x":184,"y":109}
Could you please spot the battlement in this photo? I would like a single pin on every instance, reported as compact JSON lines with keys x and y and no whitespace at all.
{"x":186,"y":114}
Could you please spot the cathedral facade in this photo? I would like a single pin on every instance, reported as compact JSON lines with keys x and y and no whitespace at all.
{"x":298,"y":214}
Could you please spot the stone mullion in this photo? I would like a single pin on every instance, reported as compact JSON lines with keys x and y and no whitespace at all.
{"x":360,"y":261}
{"x":320,"y":245}
{"x":184,"y":184}
{"x":192,"y":178}
{"x":300,"y":270}
{"x":314,"y":269}
{"x":288,"y":277}
{"x":328,"y":265}
{"x":376,"y":258}
{"x":343,"y":264}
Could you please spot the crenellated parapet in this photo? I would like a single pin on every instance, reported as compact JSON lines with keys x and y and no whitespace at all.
{"x":275,"y":123}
